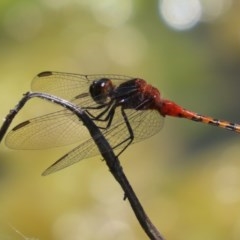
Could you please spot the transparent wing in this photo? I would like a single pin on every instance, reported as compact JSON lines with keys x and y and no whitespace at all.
{"x":144,"y":124}
{"x":69,"y":85}
{"x":50,"y":130}
{"x":54,"y":129}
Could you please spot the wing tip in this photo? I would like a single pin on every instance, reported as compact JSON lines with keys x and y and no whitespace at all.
{"x":45,"y":173}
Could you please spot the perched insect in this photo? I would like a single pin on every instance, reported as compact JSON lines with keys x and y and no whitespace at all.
{"x":125,"y":109}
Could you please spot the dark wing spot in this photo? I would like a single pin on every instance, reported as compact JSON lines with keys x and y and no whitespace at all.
{"x":21,"y":125}
{"x":45,"y":74}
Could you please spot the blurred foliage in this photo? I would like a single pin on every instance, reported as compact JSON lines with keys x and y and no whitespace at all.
{"x":187,"y":177}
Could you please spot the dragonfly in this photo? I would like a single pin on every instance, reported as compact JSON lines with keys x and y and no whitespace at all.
{"x":125,"y":109}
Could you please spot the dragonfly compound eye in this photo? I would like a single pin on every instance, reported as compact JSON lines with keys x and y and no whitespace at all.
{"x":100,"y":90}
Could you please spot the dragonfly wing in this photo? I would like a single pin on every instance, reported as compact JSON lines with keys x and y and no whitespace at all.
{"x":145,"y":124}
{"x":85,"y":150}
{"x":50,"y":130}
{"x":69,"y":85}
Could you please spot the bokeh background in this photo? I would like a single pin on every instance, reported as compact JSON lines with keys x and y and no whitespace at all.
{"x":187,"y":177}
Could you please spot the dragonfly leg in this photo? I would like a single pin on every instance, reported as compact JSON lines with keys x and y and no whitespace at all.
{"x":130,"y":138}
{"x":98,"y":117}
{"x":109,"y":117}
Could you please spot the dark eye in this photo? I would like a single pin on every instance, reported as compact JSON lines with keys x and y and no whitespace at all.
{"x":100,"y":90}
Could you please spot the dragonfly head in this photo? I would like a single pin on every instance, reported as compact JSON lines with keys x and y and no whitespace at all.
{"x":101,"y":89}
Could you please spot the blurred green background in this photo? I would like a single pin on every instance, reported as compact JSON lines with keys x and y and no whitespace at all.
{"x":187,"y":177}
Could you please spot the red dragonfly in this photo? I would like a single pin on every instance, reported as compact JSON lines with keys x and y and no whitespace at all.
{"x":126,"y":110}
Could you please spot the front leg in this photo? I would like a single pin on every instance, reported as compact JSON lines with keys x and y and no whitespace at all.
{"x":108,"y":118}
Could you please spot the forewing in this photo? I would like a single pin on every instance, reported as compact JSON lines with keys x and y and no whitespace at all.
{"x":69,"y":85}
